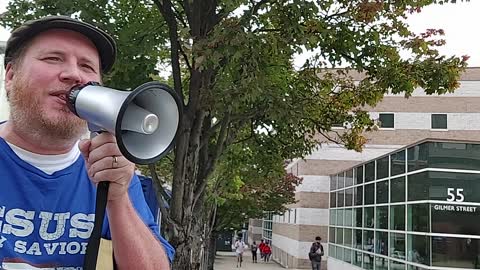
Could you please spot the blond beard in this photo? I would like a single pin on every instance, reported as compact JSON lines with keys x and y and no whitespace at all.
{"x":27,"y":115}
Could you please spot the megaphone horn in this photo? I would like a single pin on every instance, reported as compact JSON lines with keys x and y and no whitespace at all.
{"x":144,"y":121}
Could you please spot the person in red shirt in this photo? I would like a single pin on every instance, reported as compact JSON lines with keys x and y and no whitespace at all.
{"x":261,"y":246}
{"x":267,"y":252}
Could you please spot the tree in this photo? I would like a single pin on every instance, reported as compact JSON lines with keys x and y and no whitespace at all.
{"x":231,"y":63}
{"x":249,"y":181}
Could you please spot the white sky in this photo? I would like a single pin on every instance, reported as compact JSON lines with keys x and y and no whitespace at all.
{"x":460,"y":22}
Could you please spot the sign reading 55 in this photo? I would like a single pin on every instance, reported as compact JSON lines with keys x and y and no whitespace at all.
{"x":455,"y":195}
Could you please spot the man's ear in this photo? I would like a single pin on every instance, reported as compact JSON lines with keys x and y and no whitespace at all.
{"x":9,"y":74}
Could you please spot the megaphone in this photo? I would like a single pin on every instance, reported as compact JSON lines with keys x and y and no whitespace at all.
{"x":144,"y":121}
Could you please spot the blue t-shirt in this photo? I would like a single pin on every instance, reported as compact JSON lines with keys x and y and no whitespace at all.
{"x":46,"y":220}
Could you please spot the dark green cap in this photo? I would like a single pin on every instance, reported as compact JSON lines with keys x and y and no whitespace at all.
{"x":105,"y":44}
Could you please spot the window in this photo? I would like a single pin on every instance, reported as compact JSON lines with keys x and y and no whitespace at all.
{"x":439,"y":121}
{"x":370,"y":171}
{"x":370,"y":194}
{"x":368,"y":218}
{"x":455,"y":252}
{"x":358,"y":216}
{"x":382,"y":217}
{"x":418,"y":249}
{"x":418,"y":217}
{"x":397,"y":191}
{"x":359,"y":195}
{"x":386,"y":120}
{"x":397,"y":217}
{"x":349,"y":197}
{"x":347,"y":237}
{"x":382,"y":167}
{"x":359,"y":175}
{"x":382,"y":192}
{"x":397,"y":245}
{"x":398,"y":163}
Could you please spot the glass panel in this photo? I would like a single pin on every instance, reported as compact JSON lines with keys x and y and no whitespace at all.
{"x":359,"y":175}
{"x":455,"y":219}
{"x":333,"y":199}
{"x":332,"y":235}
{"x":418,"y":249}
{"x":369,"y":194}
{"x":358,"y":217}
{"x":368,"y":217}
{"x":397,"y":217}
{"x":340,"y":217}
{"x":455,"y":252}
{"x":397,"y":163}
{"x":439,"y":121}
{"x":339,"y":253}
{"x":368,"y":241}
{"x":349,"y":197}
{"x":331,"y":251}
{"x":349,"y":178}
{"x":340,"y":198}
{"x":348,"y":217}
{"x":382,"y":192}
{"x":381,"y":263}
{"x":368,"y":261}
{"x":382,"y":217}
{"x":333,"y":182}
{"x":347,"y":255}
{"x":382,"y":167}
{"x":359,"y":195}
{"x":397,"y":245}
{"x":444,"y":155}
{"x":417,"y":157}
{"x":435,"y":186}
{"x":394,"y":265}
{"x":381,"y":243}
{"x":347,"y":237}
{"x":397,"y":191}
{"x":370,"y":171}
{"x":387,"y":120}
{"x":418,"y":218}
{"x":357,"y":258}
{"x":333,"y":217}
{"x":357,"y":239}
{"x":340,"y":180}
{"x":339,"y":236}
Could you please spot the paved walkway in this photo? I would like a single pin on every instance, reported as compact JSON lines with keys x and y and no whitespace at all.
{"x":228,"y":261}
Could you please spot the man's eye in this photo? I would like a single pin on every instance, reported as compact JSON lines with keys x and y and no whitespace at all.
{"x":88,"y":67}
{"x":52,"y":58}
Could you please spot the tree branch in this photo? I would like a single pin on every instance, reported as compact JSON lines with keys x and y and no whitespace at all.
{"x":169,"y":16}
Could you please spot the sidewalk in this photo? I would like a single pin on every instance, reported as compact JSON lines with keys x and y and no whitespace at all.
{"x":228,"y":261}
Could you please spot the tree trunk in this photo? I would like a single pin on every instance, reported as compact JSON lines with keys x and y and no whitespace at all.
{"x":212,"y":250}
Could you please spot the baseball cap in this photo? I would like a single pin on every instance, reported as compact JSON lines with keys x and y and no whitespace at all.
{"x":105,"y":44}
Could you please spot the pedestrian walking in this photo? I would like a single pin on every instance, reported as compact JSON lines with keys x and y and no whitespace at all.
{"x":267,"y":251}
{"x":239,"y":249}
{"x":254,"y":252}
{"x":316,"y":253}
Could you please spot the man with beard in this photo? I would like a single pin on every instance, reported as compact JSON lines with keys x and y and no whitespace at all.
{"x":48,"y":175}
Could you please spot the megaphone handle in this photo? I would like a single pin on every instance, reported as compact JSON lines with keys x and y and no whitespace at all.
{"x":91,"y":255}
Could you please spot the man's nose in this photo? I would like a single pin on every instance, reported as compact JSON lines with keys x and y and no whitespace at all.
{"x":71,"y":74}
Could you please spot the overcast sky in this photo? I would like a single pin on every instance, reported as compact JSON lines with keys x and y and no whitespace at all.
{"x":460,"y":22}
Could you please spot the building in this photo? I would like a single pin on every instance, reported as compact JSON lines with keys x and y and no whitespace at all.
{"x":414,"y":208}
{"x":403,"y":122}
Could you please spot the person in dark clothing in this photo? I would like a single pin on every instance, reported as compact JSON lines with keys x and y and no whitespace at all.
{"x":254,"y":252}
{"x":316,"y":253}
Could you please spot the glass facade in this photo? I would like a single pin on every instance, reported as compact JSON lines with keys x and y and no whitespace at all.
{"x":416,"y":208}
